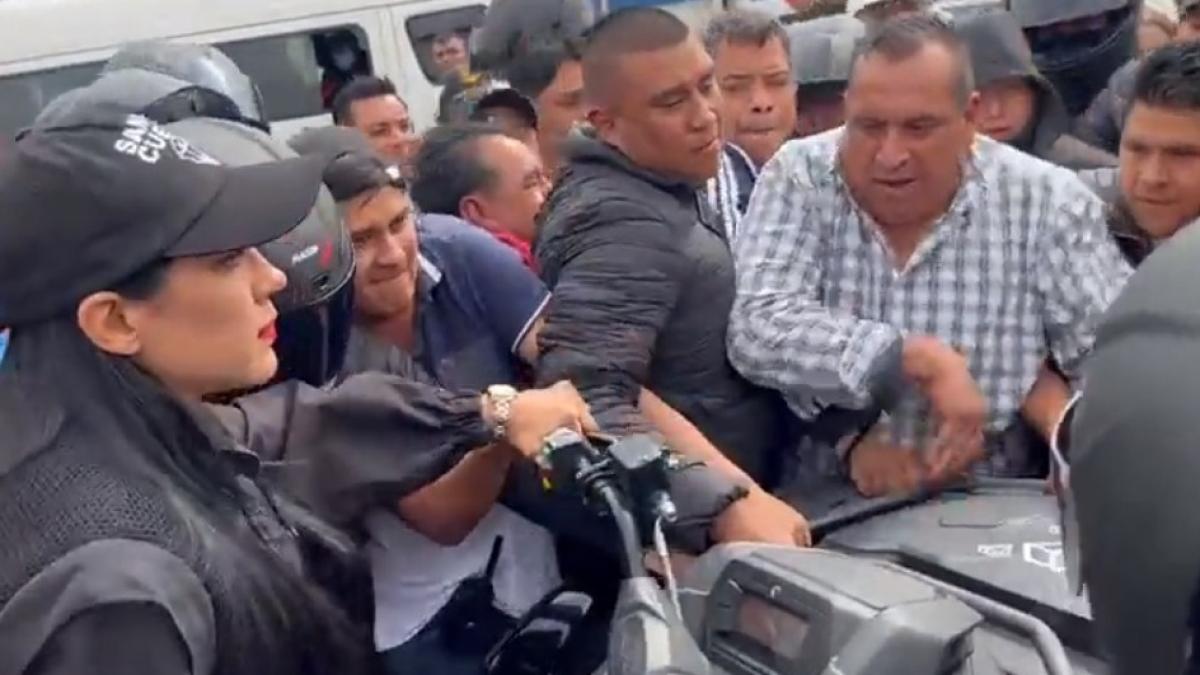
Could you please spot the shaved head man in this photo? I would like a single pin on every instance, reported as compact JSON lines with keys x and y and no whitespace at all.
{"x":650,"y":90}
{"x":642,"y":277}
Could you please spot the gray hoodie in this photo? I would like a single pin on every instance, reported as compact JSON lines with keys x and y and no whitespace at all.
{"x":999,"y":51}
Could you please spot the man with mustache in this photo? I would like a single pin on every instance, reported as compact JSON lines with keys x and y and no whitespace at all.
{"x":904,"y":264}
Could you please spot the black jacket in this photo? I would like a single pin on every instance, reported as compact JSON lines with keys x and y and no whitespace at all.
{"x":1104,"y":120}
{"x":999,"y":51}
{"x":103,"y":571}
{"x":643,"y":284}
{"x":1135,"y":245}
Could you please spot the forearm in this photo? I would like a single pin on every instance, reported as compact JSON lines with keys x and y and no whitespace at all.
{"x":611,"y":391}
{"x":806,"y":351}
{"x":610,"y":304}
{"x":683,"y":437}
{"x":1046,"y":402}
{"x":363,"y":444}
{"x":448,"y":509}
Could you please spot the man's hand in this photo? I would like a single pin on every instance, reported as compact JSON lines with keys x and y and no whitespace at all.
{"x":537,"y":413}
{"x":944,"y":377}
{"x":881,"y":468}
{"x":761,"y":518}
{"x":957,"y":464}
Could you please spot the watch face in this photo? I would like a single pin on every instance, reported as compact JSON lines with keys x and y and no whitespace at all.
{"x":501,"y":391}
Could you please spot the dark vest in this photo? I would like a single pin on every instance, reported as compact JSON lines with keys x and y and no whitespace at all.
{"x":62,"y":498}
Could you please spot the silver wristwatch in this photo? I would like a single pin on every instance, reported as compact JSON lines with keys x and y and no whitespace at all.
{"x":500,"y":398}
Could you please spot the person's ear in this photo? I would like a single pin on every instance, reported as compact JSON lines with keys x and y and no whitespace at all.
{"x":473,"y":210}
{"x":602,"y":120}
{"x":105,"y":319}
{"x":971,"y":113}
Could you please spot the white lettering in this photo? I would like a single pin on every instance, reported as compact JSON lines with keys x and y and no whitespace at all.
{"x":134,"y":135}
{"x":126,"y":146}
{"x":146,"y":140}
{"x":149,"y":155}
{"x":155,"y":140}
{"x":307,"y":253}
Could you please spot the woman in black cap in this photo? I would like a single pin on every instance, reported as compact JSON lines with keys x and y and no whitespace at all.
{"x":137,"y":537}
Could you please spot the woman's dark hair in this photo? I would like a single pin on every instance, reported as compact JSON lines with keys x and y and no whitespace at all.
{"x":68,"y":401}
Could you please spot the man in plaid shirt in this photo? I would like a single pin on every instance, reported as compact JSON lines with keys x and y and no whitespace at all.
{"x":904,"y":264}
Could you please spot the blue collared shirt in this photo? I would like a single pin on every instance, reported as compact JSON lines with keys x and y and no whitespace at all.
{"x":476,"y":303}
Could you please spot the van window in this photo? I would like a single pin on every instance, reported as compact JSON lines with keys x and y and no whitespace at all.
{"x":26,"y":94}
{"x":298,"y":75}
{"x":441,"y":40}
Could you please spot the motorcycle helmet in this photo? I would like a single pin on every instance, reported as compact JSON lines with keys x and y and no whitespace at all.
{"x":315,"y":309}
{"x":207,"y":73}
{"x":168,"y":82}
{"x":1079,"y":44}
{"x":822,"y":51}
{"x":511,"y":27}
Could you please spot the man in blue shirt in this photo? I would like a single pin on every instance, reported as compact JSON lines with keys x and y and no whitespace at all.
{"x":468,"y":311}
{"x":463,"y":307}
{"x":472,"y":313}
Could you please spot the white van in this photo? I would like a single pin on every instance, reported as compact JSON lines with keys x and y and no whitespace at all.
{"x":50,"y":46}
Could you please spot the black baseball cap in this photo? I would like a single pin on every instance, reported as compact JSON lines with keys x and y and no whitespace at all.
{"x":102,"y":193}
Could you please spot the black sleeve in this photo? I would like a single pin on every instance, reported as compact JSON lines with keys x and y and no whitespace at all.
{"x":610,"y":300}
{"x":1096,"y":125}
{"x":1102,"y":123}
{"x":115,"y":639}
{"x":370,"y":440}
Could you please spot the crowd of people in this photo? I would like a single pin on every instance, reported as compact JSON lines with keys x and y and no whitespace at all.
{"x":272,"y":407}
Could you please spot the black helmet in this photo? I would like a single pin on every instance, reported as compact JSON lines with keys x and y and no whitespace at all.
{"x":1132,"y":442}
{"x":162,"y":98}
{"x":511,"y":27}
{"x":211,"y":84}
{"x":168,"y":82}
{"x":1080,"y":63}
{"x":315,"y":311}
{"x":822,"y":49}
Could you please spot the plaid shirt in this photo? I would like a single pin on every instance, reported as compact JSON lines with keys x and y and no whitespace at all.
{"x":1020,"y":267}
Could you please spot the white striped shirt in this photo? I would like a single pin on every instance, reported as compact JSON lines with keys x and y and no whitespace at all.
{"x":725,"y":191}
